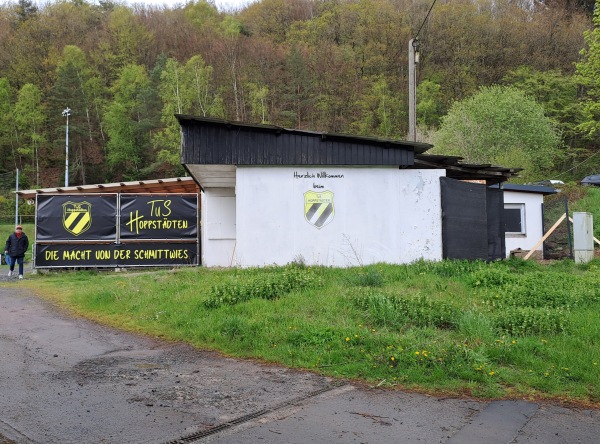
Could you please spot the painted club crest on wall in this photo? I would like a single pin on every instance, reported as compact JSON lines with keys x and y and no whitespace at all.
{"x":77,"y":217}
{"x":318,"y":208}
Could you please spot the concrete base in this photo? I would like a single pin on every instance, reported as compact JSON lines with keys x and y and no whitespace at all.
{"x":583,"y":256}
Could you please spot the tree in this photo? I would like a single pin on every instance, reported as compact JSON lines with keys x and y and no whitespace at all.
{"x":126,"y":42}
{"x":380,"y":111}
{"x":258,"y":98}
{"x":183,"y":90}
{"x":588,"y":74}
{"x":430,"y":104}
{"x":29,"y":121}
{"x":128,"y":123}
{"x":7,"y":132}
{"x":557,"y":93}
{"x":77,"y":87}
{"x":500,"y":125}
{"x":24,"y":10}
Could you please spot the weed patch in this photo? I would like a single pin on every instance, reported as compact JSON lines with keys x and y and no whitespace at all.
{"x":271,"y":285}
{"x":397,"y":311}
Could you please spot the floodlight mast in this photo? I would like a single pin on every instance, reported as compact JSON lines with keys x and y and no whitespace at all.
{"x":66,"y":113}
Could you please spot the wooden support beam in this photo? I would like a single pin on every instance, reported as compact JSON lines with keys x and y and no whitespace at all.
{"x":548,"y":233}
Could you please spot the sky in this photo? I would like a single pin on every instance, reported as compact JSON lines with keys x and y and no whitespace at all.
{"x":223,"y":5}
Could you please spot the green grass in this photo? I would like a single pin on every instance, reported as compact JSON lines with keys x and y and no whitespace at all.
{"x":510,"y":328}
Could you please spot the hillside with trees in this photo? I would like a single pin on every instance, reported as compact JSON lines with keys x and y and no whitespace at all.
{"x":322,"y":65}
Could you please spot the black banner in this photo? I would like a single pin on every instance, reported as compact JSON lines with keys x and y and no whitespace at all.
{"x":112,"y":255}
{"x":159,"y":216}
{"x":76,"y":217}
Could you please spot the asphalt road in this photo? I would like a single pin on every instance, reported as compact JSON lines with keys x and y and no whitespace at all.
{"x":66,"y":380}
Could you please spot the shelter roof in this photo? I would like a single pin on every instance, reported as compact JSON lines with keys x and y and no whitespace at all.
{"x":156,"y":186}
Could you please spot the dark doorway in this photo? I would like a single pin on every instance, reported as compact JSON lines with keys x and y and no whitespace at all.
{"x":472,"y":222}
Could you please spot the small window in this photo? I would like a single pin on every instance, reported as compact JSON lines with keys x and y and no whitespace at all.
{"x":514,"y":218}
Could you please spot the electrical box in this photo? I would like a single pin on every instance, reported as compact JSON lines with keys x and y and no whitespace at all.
{"x":583,"y":237}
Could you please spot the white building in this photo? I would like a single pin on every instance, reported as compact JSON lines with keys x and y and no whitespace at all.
{"x":274,"y":196}
{"x":523,"y":216}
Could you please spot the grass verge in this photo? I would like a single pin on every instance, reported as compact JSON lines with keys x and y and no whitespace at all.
{"x":507,"y":329}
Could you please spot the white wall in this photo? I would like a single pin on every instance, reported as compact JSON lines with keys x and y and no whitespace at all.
{"x":380,"y":215}
{"x":218,"y":227}
{"x":534,"y":229}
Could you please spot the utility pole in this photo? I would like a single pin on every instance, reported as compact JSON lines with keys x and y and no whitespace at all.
{"x":66,"y":113}
{"x":413,"y":59}
{"x":17,"y":200}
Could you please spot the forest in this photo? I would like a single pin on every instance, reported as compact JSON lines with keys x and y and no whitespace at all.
{"x":513,"y":69}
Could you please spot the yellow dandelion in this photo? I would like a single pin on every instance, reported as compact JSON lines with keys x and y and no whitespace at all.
{"x":417,"y":353}
{"x":347,"y":338}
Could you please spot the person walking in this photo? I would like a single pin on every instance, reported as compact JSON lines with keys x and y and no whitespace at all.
{"x":16,"y":246}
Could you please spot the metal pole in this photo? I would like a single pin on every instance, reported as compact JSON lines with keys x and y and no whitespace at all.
{"x":570,"y":239}
{"x":413,"y":47}
{"x":66,"y":113}
{"x":17,"y":200}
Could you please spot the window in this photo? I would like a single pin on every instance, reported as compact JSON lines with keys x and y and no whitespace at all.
{"x":514,"y":218}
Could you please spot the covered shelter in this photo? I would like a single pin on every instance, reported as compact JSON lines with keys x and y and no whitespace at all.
{"x":136,"y":223}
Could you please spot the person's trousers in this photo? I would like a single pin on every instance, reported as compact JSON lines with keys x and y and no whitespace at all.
{"x":18,"y":260}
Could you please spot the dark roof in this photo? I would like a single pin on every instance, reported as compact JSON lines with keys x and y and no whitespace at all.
{"x":538,"y":189}
{"x":456,"y":169}
{"x":207,"y":142}
{"x":416,"y":147}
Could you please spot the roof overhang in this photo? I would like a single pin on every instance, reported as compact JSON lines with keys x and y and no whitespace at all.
{"x":537,"y":189}
{"x":176,"y":185}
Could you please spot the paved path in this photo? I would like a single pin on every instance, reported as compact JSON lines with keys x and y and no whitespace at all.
{"x":65,"y":380}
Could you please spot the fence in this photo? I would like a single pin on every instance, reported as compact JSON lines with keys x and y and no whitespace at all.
{"x":559,"y":245}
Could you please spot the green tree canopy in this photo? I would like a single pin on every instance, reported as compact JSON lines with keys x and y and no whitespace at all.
{"x":500,"y":125}
{"x":588,"y":71}
{"x":127,"y":122}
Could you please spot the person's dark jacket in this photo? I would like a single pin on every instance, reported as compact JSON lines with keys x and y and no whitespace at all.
{"x":16,"y":246}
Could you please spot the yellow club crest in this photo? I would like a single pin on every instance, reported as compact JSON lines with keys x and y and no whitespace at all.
{"x":77,"y":217}
{"x":318,"y":208}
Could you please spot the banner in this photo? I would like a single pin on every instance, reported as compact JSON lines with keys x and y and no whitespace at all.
{"x":158,"y":217}
{"x":76,"y":218}
{"x":112,"y":255}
